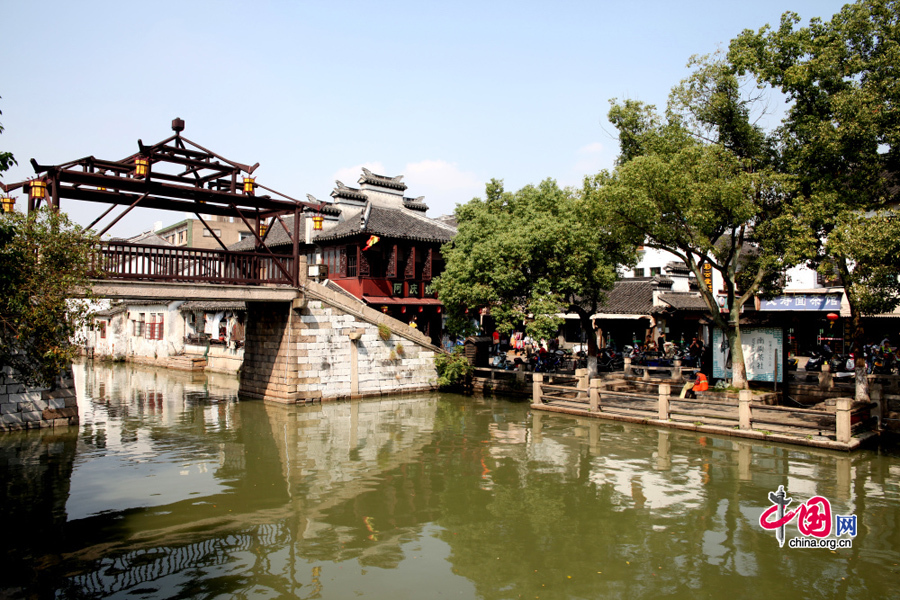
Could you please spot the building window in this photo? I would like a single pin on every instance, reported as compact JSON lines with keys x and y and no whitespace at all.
{"x":207,"y":233}
{"x":351,"y":264}
{"x":244,"y":235}
{"x":655,"y":271}
{"x":154,"y":329}
{"x":102,"y":326}
{"x":182,"y":237}
{"x":639,"y":272}
{"x":139,"y":326}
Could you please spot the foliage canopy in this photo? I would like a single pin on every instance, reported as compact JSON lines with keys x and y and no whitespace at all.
{"x":528,"y":256}
{"x":44,"y":259}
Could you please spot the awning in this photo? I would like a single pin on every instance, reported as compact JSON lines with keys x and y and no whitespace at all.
{"x":390,"y":300}
{"x":619,"y":316}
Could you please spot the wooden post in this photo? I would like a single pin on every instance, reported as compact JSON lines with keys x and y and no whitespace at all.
{"x":627,"y":362}
{"x":842,"y":420}
{"x":538,"y":379}
{"x":595,"y":395}
{"x":876,"y":394}
{"x":664,"y":391}
{"x":826,"y":381}
{"x":744,"y":397}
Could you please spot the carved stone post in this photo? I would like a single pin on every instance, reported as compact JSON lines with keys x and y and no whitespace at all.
{"x":538,"y":379}
{"x":842,"y":420}
{"x":826,"y":382}
{"x":744,"y":398}
{"x":627,"y":362}
{"x":595,"y":395}
{"x":876,"y":394}
{"x":664,"y":391}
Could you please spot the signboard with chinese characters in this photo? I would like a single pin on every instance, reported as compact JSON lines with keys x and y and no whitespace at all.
{"x":823,"y":302}
{"x":707,"y":275}
{"x":763,"y":350}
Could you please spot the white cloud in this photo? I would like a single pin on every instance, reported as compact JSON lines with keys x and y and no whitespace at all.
{"x":595,"y":148}
{"x":443,"y":184}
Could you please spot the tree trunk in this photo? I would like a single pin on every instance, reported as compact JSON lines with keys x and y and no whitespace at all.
{"x":738,"y":368}
{"x":587,"y":328}
{"x":859,"y":360}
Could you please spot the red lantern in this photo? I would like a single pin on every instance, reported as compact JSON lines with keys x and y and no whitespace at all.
{"x":439,"y":310}
{"x":832,"y":317}
{"x":421,"y":309}
{"x":403,"y":309}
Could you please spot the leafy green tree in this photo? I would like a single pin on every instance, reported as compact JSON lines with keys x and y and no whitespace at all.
{"x":699,"y":184}
{"x":44,"y":260}
{"x":528,"y":256}
{"x":7,"y":160}
{"x":840,"y":140}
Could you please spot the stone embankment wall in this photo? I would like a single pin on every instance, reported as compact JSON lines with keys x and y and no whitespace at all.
{"x":23,"y":407}
{"x":328,"y":346}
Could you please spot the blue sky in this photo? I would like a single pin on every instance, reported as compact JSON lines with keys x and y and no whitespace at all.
{"x":447,"y":94}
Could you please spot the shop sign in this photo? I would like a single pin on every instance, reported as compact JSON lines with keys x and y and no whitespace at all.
{"x":707,"y":276}
{"x":763,"y":348}
{"x":811,"y":302}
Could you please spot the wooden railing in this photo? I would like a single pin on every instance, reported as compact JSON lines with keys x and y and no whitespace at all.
{"x":122,"y":260}
{"x":745,"y":414}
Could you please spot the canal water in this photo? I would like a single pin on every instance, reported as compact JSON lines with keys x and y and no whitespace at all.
{"x":173,"y":488}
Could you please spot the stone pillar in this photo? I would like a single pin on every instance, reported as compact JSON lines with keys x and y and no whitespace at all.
{"x":274,"y":333}
{"x":744,"y":398}
{"x":842,"y":420}
{"x":826,"y":381}
{"x":665,"y":391}
{"x":538,"y":379}
{"x":594,"y":395}
{"x":627,"y":362}
{"x":582,"y":376}
{"x":876,"y":395}
{"x":354,"y":336}
{"x":676,"y":370}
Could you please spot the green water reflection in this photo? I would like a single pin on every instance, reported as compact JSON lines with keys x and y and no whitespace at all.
{"x":172,"y":488}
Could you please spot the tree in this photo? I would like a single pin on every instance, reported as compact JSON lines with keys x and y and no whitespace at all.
{"x":840,"y":141}
{"x":528,"y":256}
{"x":700,"y":185}
{"x":44,"y":259}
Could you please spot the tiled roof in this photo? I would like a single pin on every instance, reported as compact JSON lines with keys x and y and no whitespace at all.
{"x":111,"y":311}
{"x":683,"y":301}
{"x":415,"y":204}
{"x":633,"y":296}
{"x":343,"y":191}
{"x":382,"y":180}
{"x":391,"y":222}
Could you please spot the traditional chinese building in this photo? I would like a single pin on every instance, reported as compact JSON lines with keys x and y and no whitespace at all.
{"x":375,"y":244}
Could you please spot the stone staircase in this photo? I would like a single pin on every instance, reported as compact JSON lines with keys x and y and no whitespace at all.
{"x":186,"y":363}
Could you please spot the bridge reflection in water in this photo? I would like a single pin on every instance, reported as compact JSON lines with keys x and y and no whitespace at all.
{"x":174,"y":488}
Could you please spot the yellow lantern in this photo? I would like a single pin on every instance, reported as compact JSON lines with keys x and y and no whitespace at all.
{"x":249,"y":185}
{"x":8,"y":203}
{"x":317,"y":222}
{"x":262,"y":229}
{"x":141,"y":167}
{"x":37,"y":190}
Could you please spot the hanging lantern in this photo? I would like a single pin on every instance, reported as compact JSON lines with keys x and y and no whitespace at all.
{"x":8,"y":204}
{"x":317,"y":222}
{"x":249,"y":186}
{"x":141,"y":167}
{"x":438,"y":310}
{"x":384,"y":309}
{"x":832,"y":317}
{"x":403,"y":309}
{"x":421,"y":309}
{"x":262,"y":229}
{"x":37,"y":190}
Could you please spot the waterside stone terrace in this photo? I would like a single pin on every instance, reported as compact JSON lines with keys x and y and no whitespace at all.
{"x":23,"y":407}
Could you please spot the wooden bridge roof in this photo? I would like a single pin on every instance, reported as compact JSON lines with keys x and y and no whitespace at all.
{"x":182,"y":176}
